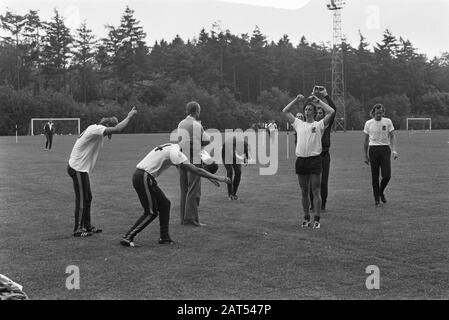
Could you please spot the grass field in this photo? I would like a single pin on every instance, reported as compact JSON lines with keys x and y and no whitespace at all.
{"x":250,"y":249}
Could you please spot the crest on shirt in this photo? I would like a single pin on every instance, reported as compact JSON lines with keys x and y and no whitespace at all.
{"x":384,"y":128}
{"x":313,"y":129}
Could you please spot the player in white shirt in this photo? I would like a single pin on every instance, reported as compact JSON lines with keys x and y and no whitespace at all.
{"x":308,"y":150}
{"x":152,"y":198}
{"x":82,"y":160}
{"x":380,"y":143}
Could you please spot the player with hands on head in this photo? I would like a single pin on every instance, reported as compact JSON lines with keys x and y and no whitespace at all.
{"x":308,"y":151}
{"x":82,"y":161}
{"x":152,"y":198}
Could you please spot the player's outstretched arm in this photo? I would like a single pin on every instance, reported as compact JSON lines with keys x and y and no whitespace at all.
{"x":322,"y":94}
{"x":122,"y":125}
{"x":203,"y":173}
{"x":286,"y":110}
{"x":328,"y":111}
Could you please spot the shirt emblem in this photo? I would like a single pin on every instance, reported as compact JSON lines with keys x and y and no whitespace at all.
{"x":384,"y":128}
{"x":313,"y":129}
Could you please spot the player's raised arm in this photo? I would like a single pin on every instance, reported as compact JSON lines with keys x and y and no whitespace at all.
{"x":111,"y":128}
{"x":290,"y":117}
{"x":328,"y":111}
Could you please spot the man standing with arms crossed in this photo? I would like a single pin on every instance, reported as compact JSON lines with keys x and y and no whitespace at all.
{"x":193,"y":138}
{"x":321,"y":93}
{"x":82,"y":160}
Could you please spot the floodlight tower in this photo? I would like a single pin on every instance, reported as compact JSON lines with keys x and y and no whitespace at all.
{"x":338,"y":86}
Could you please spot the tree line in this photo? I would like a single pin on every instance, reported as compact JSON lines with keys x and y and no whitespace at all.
{"x":48,"y":70}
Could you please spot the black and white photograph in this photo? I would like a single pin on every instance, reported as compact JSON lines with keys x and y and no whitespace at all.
{"x":223,"y":156}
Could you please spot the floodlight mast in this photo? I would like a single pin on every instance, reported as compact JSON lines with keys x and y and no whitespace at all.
{"x":338,"y":86}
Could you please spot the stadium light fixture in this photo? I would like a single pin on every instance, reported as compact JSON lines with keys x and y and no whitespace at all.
{"x":335,"y":4}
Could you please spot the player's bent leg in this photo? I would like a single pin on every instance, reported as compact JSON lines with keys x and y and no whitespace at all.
{"x":164,"y":205}
{"x":140,"y":224}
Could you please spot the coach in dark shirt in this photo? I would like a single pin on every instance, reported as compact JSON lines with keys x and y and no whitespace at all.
{"x":321,"y":92}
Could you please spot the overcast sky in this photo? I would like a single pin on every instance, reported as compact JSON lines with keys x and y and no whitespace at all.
{"x":424,"y":22}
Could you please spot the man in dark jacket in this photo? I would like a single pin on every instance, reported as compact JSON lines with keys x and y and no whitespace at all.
{"x":321,"y":93}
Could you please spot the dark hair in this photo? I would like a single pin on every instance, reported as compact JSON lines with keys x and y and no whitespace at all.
{"x":192,"y":107}
{"x":376,"y":107}
{"x":308,"y":102}
{"x":211,"y":168}
{"x":109,"y":122}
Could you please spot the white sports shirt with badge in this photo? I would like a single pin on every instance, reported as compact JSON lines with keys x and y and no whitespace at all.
{"x":162,"y":157}
{"x":86,"y":149}
{"x":379,"y":131}
{"x":309,"y":137}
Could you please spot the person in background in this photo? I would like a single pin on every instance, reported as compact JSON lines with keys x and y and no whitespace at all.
{"x":49,"y":130}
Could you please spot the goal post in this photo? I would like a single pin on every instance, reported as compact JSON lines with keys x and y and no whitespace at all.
{"x":419,"y":124}
{"x":66,"y":126}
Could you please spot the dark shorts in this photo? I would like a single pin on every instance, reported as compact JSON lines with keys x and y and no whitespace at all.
{"x":309,"y":165}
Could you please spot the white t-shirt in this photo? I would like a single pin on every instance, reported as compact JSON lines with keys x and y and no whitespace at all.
{"x":162,"y":157}
{"x":85,"y":151}
{"x":378,"y":131}
{"x":272,"y":126}
{"x":309,"y":137}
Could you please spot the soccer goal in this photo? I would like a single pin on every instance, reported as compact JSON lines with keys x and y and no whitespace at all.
{"x":419,"y":124}
{"x":67,"y":126}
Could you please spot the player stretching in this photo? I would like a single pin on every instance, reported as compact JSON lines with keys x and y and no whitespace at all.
{"x":380,"y":141}
{"x":308,"y":151}
{"x":232,"y":162}
{"x":152,"y":198}
{"x":82,"y":161}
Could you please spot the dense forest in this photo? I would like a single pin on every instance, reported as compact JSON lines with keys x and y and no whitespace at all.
{"x":48,"y":70}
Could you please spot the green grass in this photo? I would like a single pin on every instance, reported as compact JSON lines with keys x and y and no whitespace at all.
{"x":250,"y":249}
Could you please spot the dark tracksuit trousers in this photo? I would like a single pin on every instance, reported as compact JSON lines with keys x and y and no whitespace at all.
{"x":83,"y":198}
{"x":325,"y":157}
{"x":233,"y":169}
{"x":236,"y":170}
{"x":49,"y":140}
{"x":380,"y":158}
{"x":154,"y":203}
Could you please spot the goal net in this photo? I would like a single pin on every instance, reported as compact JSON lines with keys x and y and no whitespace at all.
{"x":419,"y":124}
{"x":66,"y":126}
